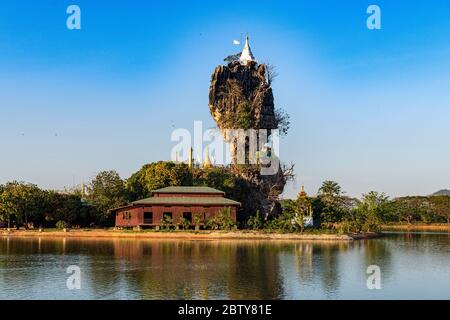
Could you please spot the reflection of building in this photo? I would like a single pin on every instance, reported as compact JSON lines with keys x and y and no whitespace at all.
{"x":174,"y":204}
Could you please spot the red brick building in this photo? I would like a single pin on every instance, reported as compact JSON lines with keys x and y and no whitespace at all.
{"x":175,"y":203}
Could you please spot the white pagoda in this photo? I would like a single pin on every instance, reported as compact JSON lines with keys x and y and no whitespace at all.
{"x":247,"y":54}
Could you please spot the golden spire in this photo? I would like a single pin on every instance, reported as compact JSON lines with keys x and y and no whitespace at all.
{"x":191,"y":158}
{"x":302,"y":192}
{"x":83,"y":189}
{"x":207,"y":162}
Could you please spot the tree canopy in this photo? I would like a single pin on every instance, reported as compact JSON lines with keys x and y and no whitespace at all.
{"x":25,"y":205}
{"x":157,"y":175}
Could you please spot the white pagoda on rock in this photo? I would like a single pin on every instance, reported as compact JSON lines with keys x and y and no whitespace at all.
{"x":247,"y":54}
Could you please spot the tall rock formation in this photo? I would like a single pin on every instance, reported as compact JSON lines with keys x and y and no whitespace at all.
{"x":240,"y":97}
{"x":236,"y":86}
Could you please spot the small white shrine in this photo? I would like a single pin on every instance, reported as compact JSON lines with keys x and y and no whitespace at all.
{"x":247,"y":54}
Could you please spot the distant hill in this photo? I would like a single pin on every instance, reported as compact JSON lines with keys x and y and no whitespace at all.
{"x":443,"y":192}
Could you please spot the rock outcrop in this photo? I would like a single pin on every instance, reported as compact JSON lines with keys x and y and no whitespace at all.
{"x":236,"y":84}
{"x":240,"y":97}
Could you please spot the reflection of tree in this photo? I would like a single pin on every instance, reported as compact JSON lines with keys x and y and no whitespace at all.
{"x":43,"y":263}
{"x":254,"y":271}
{"x":377,"y":252}
{"x":173,"y":269}
{"x":201,"y":270}
{"x":327,"y":264}
{"x":304,"y":260}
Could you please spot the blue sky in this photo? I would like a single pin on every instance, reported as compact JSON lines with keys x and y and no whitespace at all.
{"x":369,"y":108}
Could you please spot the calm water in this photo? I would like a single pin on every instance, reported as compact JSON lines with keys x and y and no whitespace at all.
{"x":413,"y":266}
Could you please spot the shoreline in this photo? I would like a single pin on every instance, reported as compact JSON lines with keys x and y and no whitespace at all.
{"x":416,"y":227}
{"x":181,"y":235}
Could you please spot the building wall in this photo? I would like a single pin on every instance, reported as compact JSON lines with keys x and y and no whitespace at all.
{"x":136,"y":217}
{"x":136,"y":214}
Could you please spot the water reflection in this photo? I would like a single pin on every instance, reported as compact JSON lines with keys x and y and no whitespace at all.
{"x":199,"y":270}
{"x":35,"y":268}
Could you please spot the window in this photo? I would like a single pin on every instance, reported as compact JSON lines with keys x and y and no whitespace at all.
{"x":187,"y":216}
{"x":126,"y":215}
{"x":167,"y":215}
{"x":148,"y":217}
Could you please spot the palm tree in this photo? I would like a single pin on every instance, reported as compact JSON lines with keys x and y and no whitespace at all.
{"x":330,"y":188}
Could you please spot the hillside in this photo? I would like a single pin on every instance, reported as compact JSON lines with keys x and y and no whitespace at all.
{"x":443,"y":192}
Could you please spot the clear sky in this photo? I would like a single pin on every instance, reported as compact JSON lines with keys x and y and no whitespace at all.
{"x":369,"y":108}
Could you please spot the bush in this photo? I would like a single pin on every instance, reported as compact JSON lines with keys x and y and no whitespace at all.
{"x":282,"y":223}
{"x":213,"y":223}
{"x":221,"y":221}
{"x":371,"y":225}
{"x":166,"y":223}
{"x":347,"y":226}
{"x":256,"y":222}
{"x":197,"y":219}
{"x":61,"y":224}
{"x":185,"y":223}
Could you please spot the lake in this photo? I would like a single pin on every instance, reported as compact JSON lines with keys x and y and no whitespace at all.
{"x":412,"y":266}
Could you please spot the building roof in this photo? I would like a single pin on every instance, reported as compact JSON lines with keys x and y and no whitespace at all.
{"x":188,"y":190}
{"x":221,"y":201}
{"x":218,"y":200}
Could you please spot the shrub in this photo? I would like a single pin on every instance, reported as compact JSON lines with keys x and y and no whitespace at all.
{"x":345,"y":227}
{"x":185,"y":223}
{"x":256,"y":222}
{"x":221,"y":221}
{"x":166,"y":223}
{"x":282,"y":223}
{"x":197,"y":219}
{"x":213,"y":223}
{"x":61,"y":224}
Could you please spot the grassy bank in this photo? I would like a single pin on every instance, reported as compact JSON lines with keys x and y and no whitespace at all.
{"x":417,"y":227}
{"x":188,"y":235}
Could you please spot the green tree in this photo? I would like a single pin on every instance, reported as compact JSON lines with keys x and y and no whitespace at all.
{"x":283,"y":121}
{"x":283,"y":221}
{"x":155,"y":176}
{"x":21,"y":203}
{"x":302,"y":208}
{"x":411,"y":209}
{"x":331,"y":204}
{"x":232,"y":57}
{"x":330,"y":188}
{"x":440,"y":206}
{"x":371,"y":210}
{"x":70,"y":208}
{"x":107,"y":191}
{"x":223,"y":179}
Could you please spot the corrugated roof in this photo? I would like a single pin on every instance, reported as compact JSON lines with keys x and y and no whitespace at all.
{"x":188,"y":201}
{"x":188,"y":190}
